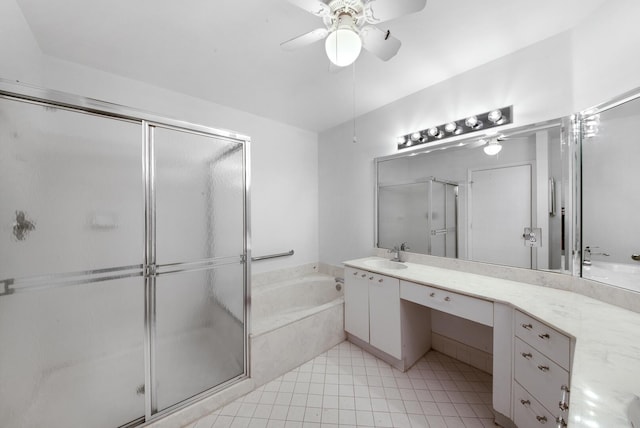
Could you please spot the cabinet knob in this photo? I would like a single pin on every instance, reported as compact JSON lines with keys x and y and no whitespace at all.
{"x":560,"y":422}
{"x":543,"y":368}
{"x":363,"y":275}
{"x":525,"y":402}
{"x":370,"y":278}
{"x":527,"y":355}
{"x":447,"y":299}
{"x":527,"y":326}
{"x":355,"y":273}
{"x":432,"y":295}
{"x":542,"y":419}
{"x":544,"y":336}
{"x":380,"y":280}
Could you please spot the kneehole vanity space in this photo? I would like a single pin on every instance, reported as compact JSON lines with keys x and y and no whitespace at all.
{"x":559,"y":358}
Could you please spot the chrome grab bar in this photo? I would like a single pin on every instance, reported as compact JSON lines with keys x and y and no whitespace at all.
{"x":273,"y":256}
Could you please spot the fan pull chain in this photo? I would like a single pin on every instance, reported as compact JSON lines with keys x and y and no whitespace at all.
{"x":355,"y":138}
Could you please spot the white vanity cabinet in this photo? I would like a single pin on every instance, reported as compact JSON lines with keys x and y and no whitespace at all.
{"x":542,"y":358}
{"x":471,"y":308}
{"x":372,"y":310}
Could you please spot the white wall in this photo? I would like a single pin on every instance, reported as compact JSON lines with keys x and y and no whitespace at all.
{"x":284,"y":159}
{"x":605,"y":53}
{"x":536,"y":80}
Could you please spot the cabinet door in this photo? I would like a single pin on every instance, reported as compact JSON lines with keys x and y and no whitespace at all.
{"x":384,"y":314}
{"x":356,"y":303}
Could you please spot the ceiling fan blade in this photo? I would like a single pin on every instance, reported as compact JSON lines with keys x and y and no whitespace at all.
{"x":316,"y":7}
{"x":305,"y":39}
{"x":377,"y":11}
{"x":380,"y":43}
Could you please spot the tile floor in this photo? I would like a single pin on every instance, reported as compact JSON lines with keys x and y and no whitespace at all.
{"x":348,"y":387}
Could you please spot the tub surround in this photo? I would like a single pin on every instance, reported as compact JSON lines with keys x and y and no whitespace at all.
{"x":606,"y":362}
{"x":296,"y":315}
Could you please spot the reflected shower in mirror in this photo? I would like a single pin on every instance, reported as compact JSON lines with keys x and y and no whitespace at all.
{"x":500,"y":198}
{"x":610,"y":201}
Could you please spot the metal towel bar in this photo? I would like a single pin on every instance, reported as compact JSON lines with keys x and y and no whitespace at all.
{"x":272,"y":256}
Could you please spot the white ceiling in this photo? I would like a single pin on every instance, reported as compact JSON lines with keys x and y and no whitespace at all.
{"x":227,"y":51}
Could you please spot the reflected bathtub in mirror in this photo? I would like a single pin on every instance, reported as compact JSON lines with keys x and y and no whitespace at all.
{"x":610,"y":202}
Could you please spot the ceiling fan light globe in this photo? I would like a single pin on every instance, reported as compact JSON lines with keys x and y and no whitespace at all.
{"x":492,"y":148}
{"x":343,"y":46}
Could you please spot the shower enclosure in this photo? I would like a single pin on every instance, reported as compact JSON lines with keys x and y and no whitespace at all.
{"x":123,"y":261}
{"x":423,"y":214}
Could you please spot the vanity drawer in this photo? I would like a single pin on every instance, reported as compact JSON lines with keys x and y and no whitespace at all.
{"x":545,"y":339}
{"x":527,"y":411}
{"x":471,"y":308}
{"x":541,"y":377}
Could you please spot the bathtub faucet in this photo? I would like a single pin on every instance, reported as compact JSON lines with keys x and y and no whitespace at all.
{"x":586,"y":258}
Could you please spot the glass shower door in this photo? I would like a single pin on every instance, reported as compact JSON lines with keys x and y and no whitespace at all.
{"x":198,"y":253}
{"x":71,"y":253}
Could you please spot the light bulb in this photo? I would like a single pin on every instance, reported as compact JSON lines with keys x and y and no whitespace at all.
{"x":415,"y":136}
{"x":495,"y":116}
{"x":400,"y":140}
{"x":450,"y":127}
{"x":343,"y":46}
{"x":471,"y":121}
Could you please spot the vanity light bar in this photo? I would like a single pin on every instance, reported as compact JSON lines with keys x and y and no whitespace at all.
{"x":490,"y":119}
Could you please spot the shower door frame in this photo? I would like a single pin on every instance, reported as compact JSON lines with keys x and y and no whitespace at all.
{"x":431,"y":232}
{"x":147,"y":270}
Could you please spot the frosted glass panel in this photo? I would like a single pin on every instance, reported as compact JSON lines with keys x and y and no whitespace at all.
{"x":199,"y":331}
{"x":73,"y":356}
{"x":199,"y":196}
{"x":70,"y":191}
{"x":402,"y":216}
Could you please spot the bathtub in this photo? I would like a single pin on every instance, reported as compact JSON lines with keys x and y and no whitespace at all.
{"x":293,"y":321}
{"x":625,"y":275}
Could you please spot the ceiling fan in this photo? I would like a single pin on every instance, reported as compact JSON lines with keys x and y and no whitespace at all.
{"x":348,"y":27}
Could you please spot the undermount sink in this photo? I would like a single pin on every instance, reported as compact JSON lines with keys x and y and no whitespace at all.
{"x":385,"y":264}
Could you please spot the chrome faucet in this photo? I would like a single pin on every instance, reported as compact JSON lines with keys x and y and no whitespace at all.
{"x":586,"y":257}
{"x":396,"y":253}
{"x":396,"y":250}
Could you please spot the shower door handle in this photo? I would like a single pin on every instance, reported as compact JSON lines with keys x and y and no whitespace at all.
{"x":635,"y":257}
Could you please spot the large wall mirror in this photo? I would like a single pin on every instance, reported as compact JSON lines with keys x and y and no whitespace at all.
{"x":512,"y":208}
{"x":610,"y":199}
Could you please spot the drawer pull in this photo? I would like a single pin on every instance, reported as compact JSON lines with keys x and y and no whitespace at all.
{"x":380,"y":280}
{"x":564,"y":400}
{"x":363,"y":275}
{"x":543,"y":368}
{"x":355,"y":273}
{"x":527,"y":326}
{"x":542,"y":419}
{"x":525,"y":402}
{"x":370,"y":278}
{"x":560,"y":422}
{"x":447,"y":299}
{"x":432,"y":295}
{"x":544,"y":336}
{"x":527,"y":355}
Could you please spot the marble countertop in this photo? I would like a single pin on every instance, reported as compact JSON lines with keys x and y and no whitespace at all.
{"x":605,"y":375}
